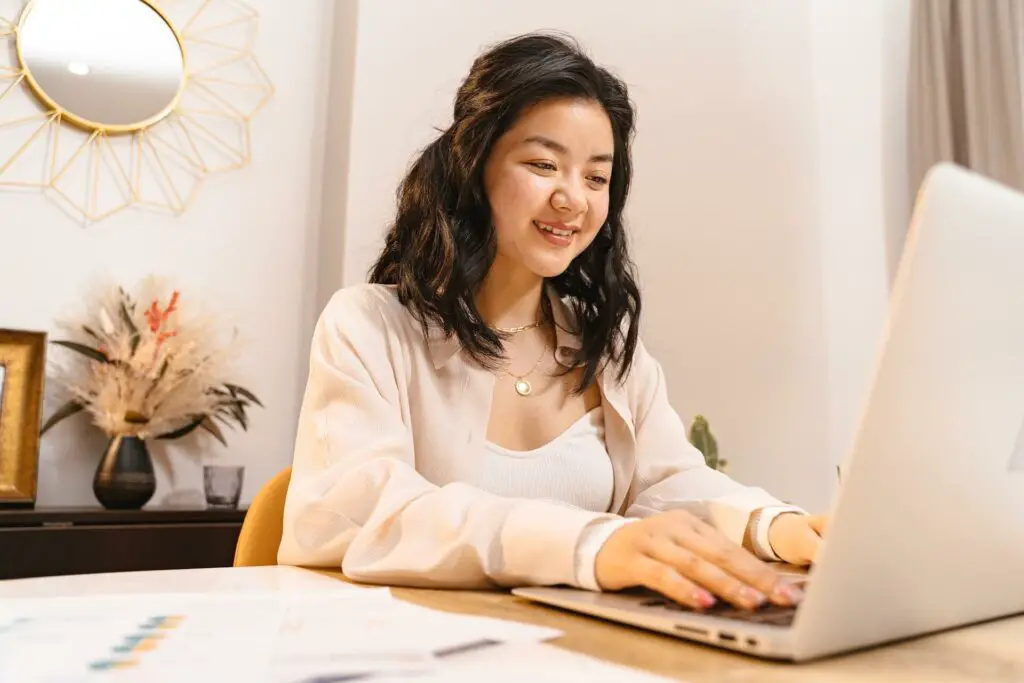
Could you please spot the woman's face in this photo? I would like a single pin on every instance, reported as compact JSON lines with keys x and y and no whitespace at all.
{"x":547,"y":181}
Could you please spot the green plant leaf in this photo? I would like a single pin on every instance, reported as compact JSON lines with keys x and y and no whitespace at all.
{"x":182,"y":431}
{"x":224,"y":417}
{"x":239,"y":412}
{"x":159,"y":377}
{"x":228,"y":414}
{"x":235,"y":389}
{"x":127,"y":298}
{"x":127,"y":318}
{"x":84,"y":350}
{"x":65,"y":411}
{"x":211,"y":426}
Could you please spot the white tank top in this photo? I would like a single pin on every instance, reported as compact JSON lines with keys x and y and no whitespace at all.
{"x":573,"y":468}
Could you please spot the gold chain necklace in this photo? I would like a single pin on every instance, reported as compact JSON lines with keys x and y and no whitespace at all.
{"x":520,"y":328}
{"x":522,"y":385}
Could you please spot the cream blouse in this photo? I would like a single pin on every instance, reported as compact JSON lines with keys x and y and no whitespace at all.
{"x":394,"y":421}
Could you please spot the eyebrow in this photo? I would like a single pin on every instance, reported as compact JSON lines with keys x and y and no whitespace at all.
{"x":562,"y":149}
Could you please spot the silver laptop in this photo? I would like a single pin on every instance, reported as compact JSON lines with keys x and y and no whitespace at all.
{"x":928,"y":526}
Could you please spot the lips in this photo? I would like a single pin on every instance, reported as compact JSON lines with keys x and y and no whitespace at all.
{"x":556,"y":234}
{"x":559,"y":229}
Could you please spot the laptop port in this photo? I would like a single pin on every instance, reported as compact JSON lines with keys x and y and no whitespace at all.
{"x":691,"y":629}
{"x":727,"y":637}
{"x":752,"y":642}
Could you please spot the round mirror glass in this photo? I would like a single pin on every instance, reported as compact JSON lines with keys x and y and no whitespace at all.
{"x":113,"y":64}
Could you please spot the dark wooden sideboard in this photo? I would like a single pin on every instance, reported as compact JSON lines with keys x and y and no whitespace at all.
{"x":55,"y":541}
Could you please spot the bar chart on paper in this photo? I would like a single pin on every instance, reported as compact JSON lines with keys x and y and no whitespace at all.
{"x":92,"y":639}
{"x":89,"y":642}
{"x":146,"y":637}
{"x":265,"y":638}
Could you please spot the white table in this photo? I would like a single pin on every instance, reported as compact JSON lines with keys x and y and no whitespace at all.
{"x":986,"y":652}
{"x":509,"y":663}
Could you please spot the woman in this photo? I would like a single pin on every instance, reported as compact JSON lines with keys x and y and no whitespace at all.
{"x":483,"y":412}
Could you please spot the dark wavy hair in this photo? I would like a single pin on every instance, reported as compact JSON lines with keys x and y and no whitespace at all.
{"x":442,"y":242}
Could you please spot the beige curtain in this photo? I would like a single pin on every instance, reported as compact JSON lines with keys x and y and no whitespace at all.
{"x":965,"y":102}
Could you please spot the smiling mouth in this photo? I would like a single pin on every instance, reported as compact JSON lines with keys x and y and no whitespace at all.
{"x":558,"y":232}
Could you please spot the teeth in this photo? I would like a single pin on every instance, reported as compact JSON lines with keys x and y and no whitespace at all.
{"x":554,"y":231}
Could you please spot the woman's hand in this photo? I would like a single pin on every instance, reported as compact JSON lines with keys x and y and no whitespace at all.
{"x":795,"y":538}
{"x":689,"y":561}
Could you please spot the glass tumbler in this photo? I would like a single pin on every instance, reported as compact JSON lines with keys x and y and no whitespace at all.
{"x":222,"y":485}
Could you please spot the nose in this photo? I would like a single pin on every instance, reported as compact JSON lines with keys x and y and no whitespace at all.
{"x":569,"y":198}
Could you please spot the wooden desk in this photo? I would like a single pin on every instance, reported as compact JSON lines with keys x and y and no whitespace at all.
{"x":986,"y":652}
{"x":58,"y":541}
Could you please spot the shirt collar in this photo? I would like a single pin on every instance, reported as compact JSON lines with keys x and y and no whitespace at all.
{"x":443,"y":348}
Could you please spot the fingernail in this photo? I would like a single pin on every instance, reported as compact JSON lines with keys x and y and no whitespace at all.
{"x":703,"y":598}
{"x":788,"y":593}
{"x":752,"y":597}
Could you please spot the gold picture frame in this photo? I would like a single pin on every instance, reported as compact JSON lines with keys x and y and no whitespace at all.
{"x":22,"y":377}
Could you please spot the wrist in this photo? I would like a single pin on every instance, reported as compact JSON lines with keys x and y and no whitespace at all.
{"x":760,"y":527}
{"x":590,"y":543}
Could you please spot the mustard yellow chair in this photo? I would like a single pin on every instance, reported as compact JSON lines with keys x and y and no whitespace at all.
{"x":263,"y":524}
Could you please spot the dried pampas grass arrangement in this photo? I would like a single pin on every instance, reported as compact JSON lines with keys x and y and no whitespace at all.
{"x":150,"y":365}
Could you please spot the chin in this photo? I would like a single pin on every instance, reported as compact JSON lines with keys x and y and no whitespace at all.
{"x":548,"y":267}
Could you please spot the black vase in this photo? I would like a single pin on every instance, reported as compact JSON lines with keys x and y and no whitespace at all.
{"x":124,"y":478}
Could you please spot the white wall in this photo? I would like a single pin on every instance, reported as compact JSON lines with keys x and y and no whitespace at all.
{"x":248,"y":246}
{"x":858,"y":151}
{"x":765,"y":162}
{"x":724,"y":216}
{"x":336,"y":176}
{"x":757,"y":215}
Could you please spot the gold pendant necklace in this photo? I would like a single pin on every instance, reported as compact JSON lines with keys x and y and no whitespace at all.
{"x":522,"y":385}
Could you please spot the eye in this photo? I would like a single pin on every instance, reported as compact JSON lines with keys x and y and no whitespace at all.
{"x":542,"y":165}
{"x":598,"y":180}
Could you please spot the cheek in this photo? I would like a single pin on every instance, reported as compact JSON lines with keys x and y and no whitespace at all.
{"x":517,"y":195}
{"x":514,"y":204}
{"x":597,"y":211}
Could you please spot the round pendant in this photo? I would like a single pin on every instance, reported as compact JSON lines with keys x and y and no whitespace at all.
{"x":523,"y":388}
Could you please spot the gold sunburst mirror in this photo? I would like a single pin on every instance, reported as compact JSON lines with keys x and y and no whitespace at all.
{"x":107,"y":104}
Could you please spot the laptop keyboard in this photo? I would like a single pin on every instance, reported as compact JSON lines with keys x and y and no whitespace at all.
{"x":766,"y":614}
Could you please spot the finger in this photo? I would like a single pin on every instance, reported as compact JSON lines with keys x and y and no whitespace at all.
{"x":802,"y":546}
{"x":703,"y":573}
{"x":713,"y":546}
{"x":810,"y":544}
{"x":819,"y":523}
{"x":661,"y":577}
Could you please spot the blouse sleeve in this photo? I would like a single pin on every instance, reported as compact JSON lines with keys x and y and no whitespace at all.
{"x":672,"y":473}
